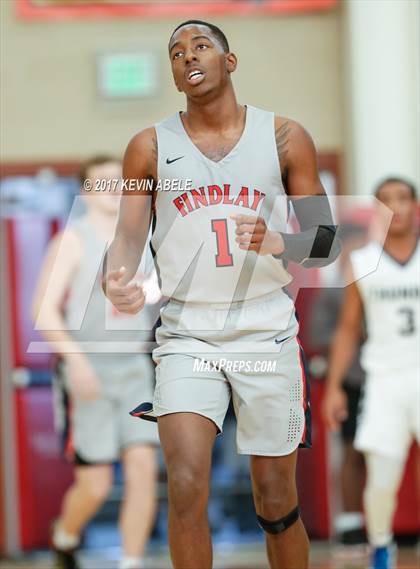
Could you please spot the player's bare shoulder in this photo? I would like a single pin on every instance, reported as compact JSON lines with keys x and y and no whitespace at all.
{"x":291,"y":139}
{"x":140,"y":158}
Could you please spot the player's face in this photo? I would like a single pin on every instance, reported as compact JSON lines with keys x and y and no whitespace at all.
{"x":105,"y":193}
{"x":199,"y":64}
{"x":399,"y":199}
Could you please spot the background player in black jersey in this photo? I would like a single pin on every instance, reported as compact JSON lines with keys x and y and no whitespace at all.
{"x":202,"y":64}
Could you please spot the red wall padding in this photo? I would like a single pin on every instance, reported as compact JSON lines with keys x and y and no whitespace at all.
{"x":27,"y":239}
{"x":43,"y":475}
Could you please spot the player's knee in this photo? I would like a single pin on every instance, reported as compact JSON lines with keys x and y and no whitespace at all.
{"x":98,"y":485}
{"x":139,"y":467}
{"x":187,"y":491}
{"x":275,"y":495}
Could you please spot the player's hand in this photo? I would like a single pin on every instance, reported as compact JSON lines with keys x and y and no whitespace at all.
{"x":127,"y":298}
{"x":83,"y":382}
{"x":252,"y":234}
{"x":334,"y":407}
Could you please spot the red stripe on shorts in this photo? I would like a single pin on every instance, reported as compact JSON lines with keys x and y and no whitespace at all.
{"x":302,"y":367}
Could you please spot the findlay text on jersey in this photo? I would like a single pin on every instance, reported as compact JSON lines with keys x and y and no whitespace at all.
{"x":214,"y":195}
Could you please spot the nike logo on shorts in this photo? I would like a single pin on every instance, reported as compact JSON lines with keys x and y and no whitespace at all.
{"x":277,"y":341}
{"x":174,"y":160}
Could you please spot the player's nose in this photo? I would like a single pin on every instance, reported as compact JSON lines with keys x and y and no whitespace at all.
{"x":190,"y":56}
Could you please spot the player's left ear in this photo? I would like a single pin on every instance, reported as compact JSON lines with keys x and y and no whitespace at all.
{"x":231,"y":62}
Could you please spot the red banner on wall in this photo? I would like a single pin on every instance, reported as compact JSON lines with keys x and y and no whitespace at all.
{"x":74,"y":9}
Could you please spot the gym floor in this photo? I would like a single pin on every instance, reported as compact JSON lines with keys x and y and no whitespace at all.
{"x":322,"y":557}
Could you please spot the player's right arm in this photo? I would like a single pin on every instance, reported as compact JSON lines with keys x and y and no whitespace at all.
{"x":343,"y":350}
{"x":124,"y":254}
{"x":58,"y":269}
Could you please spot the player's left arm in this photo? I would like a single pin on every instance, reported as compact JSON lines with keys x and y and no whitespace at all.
{"x":316,"y":244}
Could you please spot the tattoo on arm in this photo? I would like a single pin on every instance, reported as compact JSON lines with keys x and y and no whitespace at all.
{"x":154,"y":148}
{"x":282,"y":139}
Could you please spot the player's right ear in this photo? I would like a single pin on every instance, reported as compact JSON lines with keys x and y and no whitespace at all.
{"x":231,"y":62}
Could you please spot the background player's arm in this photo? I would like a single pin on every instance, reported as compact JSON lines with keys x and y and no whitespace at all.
{"x":343,"y":350}
{"x":58,"y":269}
{"x":124,"y":254}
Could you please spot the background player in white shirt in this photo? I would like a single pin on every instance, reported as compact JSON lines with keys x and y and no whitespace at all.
{"x":94,"y":390}
{"x":215,"y":249}
{"x":388,"y":298}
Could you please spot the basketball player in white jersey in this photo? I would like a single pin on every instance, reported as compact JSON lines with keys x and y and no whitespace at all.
{"x":96,"y":390}
{"x":219,"y":249}
{"x":388,"y":299}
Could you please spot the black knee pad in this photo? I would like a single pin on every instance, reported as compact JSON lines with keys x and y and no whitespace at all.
{"x":280,"y":525}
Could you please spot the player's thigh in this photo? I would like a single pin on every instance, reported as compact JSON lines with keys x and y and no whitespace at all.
{"x":383,"y":423}
{"x":270,"y":401}
{"x":186,"y":384}
{"x":95,"y":430}
{"x":187,"y":441}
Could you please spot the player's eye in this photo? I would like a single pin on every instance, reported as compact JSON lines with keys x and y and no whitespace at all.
{"x":177,"y":55}
{"x":202,"y":46}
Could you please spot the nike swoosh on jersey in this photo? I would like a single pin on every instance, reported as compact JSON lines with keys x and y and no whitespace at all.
{"x":168,"y":161}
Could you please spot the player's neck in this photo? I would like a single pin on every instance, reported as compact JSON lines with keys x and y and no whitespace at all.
{"x":401,"y":245}
{"x":217,"y":114}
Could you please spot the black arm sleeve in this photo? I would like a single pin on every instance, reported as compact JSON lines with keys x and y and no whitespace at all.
{"x":317,"y":245}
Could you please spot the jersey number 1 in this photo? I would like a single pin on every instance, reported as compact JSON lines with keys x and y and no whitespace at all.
{"x":224,"y":257}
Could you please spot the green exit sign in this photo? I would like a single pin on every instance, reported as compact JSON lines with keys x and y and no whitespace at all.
{"x":127,"y":75}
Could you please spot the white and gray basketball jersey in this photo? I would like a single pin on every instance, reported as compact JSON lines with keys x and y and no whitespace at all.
{"x":197,"y":257}
{"x":391,"y":294}
{"x":112,"y":339}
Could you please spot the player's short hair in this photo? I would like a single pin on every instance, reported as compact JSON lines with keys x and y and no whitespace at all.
{"x":216,"y":31}
{"x":396,"y":180}
{"x":92,"y":162}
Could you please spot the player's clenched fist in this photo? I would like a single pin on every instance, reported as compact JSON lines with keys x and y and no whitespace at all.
{"x":126,"y":297}
{"x":252,"y":234}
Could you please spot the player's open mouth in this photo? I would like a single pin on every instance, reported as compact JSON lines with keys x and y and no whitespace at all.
{"x":195,"y":76}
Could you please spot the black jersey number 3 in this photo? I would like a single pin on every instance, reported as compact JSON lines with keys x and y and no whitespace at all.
{"x":409,"y":326}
